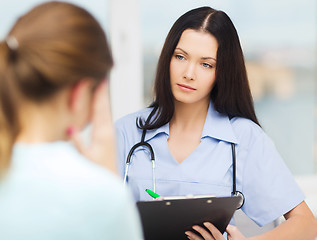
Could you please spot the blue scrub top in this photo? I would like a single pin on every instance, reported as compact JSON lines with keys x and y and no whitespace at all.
{"x":268,"y":186}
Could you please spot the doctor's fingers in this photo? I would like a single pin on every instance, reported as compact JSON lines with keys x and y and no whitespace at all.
{"x":214,"y":233}
{"x":234,"y":233}
{"x":217,"y":235}
{"x":193,"y":236}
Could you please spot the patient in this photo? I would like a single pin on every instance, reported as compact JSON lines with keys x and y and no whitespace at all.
{"x":53,"y":68}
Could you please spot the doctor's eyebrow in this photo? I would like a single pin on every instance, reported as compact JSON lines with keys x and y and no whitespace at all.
{"x":181,"y":50}
{"x":203,"y":58}
{"x":206,"y":58}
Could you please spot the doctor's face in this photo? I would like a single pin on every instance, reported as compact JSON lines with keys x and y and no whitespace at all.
{"x":193,"y":67}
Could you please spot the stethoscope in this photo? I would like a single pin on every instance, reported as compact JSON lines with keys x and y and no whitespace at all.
{"x":152,"y":156}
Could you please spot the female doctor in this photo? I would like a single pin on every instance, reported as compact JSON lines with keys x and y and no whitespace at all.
{"x":201,"y":120}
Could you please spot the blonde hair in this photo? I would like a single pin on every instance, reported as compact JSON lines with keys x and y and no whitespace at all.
{"x":54,"y":45}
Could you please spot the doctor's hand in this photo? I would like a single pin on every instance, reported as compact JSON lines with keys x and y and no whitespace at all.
{"x":214,"y":234}
{"x":101,"y":148}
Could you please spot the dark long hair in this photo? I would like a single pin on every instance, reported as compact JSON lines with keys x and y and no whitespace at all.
{"x":231,"y":93}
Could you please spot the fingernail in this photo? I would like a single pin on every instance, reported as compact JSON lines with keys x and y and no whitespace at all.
{"x":207,"y":224}
{"x":195,"y":227}
{"x":187,"y":235}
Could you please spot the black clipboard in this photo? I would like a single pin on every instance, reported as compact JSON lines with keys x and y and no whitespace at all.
{"x":170,"y":218}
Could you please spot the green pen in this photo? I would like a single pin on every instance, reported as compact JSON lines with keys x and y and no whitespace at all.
{"x":152,"y":194}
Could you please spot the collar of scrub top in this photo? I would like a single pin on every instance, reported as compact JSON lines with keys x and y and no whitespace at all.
{"x":216,"y":126}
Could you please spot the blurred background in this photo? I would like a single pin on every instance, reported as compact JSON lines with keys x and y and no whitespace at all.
{"x":279,"y":40}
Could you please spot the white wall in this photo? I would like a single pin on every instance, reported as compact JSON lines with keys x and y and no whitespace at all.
{"x":127,"y":74}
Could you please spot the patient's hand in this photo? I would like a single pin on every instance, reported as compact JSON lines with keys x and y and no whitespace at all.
{"x":101,"y":148}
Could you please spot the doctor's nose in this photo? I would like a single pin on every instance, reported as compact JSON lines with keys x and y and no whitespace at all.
{"x":189,"y":72}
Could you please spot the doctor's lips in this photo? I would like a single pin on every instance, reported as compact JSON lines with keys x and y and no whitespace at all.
{"x":186,"y":87}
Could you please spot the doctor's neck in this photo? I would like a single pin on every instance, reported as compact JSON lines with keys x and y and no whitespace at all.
{"x":189,"y":114}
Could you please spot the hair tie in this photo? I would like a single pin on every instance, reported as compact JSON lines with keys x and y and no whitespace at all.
{"x":12,"y":43}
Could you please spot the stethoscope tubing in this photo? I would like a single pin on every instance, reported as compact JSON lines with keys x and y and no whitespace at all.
{"x":142,"y":143}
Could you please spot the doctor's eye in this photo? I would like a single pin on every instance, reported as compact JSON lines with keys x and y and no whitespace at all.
{"x":206,"y":65}
{"x":179,"y":57}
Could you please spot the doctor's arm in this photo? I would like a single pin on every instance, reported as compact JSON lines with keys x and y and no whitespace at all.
{"x":300,"y":224}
